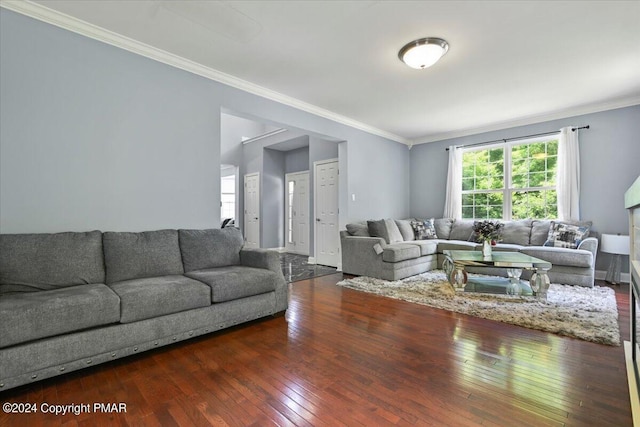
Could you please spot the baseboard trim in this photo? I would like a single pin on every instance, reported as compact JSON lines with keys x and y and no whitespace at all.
{"x":601,"y":274}
{"x":312,"y":260}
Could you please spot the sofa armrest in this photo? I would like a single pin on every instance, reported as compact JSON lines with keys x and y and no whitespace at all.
{"x":590,"y":244}
{"x":270,"y":260}
{"x":359,"y":256}
{"x":260,"y":258}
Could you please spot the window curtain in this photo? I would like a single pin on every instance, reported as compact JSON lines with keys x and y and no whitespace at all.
{"x":453,"y":201}
{"x":568,"y":175}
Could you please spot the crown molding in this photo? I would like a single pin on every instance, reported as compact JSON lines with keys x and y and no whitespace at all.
{"x":556,"y":115}
{"x":59,"y":19}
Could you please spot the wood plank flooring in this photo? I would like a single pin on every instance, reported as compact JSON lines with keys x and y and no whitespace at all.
{"x":346,"y":358}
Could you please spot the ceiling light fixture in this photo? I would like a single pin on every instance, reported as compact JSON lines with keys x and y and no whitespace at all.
{"x":423,"y":53}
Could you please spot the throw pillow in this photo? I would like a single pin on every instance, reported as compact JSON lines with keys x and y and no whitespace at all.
{"x":419,"y":230}
{"x":424,"y":230}
{"x":430,"y":228}
{"x":443,"y":227}
{"x":404,"y":225}
{"x":394,"y":232}
{"x":562,"y":235}
{"x":358,"y":229}
{"x":386,"y":229}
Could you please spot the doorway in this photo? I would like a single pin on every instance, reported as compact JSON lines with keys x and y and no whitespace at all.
{"x":252,"y":210}
{"x":297,"y":213}
{"x":326,"y":212}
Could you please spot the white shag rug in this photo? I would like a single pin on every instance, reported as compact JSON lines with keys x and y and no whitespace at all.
{"x":590,"y":314}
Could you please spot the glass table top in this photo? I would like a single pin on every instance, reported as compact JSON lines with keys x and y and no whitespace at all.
{"x":497,"y":259}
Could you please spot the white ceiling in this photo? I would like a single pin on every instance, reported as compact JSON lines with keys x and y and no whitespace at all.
{"x":509,"y":62}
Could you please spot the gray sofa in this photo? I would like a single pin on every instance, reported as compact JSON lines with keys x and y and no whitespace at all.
{"x":72,"y":300}
{"x":364,"y":255}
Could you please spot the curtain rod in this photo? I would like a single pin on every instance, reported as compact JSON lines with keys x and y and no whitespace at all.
{"x":504,"y":140}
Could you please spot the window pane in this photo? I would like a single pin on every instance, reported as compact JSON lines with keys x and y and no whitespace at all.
{"x":534,"y":204}
{"x":467,"y":212}
{"x":496,"y":155}
{"x":537,"y":179}
{"x":483,"y":169}
{"x":482,"y":205}
{"x":467,"y":184}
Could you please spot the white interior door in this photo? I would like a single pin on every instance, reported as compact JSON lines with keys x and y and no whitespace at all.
{"x":326,"y":212}
{"x":297,"y":213}
{"x":252,"y":210}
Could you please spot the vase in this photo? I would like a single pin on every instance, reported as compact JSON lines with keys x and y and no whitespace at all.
{"x":486,"y":248}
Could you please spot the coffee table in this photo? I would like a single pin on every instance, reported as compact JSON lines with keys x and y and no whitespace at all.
{"x":514,"y":262}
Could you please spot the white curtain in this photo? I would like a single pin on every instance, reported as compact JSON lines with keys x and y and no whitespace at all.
{"x":453,"y":201}
{"x":568,"y":175}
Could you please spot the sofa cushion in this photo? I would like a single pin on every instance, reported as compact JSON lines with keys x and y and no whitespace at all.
{"x":404,"y":225}
{"x":516,"y":232}
{"x":561,"y":256}
{"x":385,"y":228}
{"x":156,"y":296}
{"x":462,"y":229}
{"x":443,"y":227}
{"x":210,"y":248}
{"x":234,"y":282}
{"x":539,"y":232}
{"x":28,"y":316}
{"x":427,"y":247}
{"x":400,"y":252}
{"x":35,"y":262}
{"x":358,"y":229}
{"x":146,"y":254}
{"x":564,"y":235}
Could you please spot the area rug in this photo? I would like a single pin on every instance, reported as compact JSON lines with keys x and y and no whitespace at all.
{"x":590,"y":314}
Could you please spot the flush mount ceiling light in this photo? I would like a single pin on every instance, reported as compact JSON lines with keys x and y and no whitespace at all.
{"x":423,"y":53}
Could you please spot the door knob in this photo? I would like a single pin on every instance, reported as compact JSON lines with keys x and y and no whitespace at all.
{"x":318,"y":219}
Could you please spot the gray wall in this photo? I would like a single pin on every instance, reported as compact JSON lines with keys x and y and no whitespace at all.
{"x":232,"y":129}
{"x":95,"y":137}
{"x":609,"y":153}
{"x":375,"y":172}
{"x":272,"y":195}
{"x":297,"y":160}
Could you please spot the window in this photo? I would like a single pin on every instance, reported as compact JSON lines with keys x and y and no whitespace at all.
{"x":515,"y":180}
{"x":228,"y":197}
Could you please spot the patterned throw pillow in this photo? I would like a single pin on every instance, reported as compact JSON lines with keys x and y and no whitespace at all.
{"x":424,"y":229}
{"x":563,"y":235}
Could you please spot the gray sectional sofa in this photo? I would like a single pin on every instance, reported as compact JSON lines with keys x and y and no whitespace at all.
{"x":72,"y":300}
{"x":404,"y":256}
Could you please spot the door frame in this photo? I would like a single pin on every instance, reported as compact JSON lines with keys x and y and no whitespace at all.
{"x":244,"y":199}
{"x":286,"y":210}
{"x":312,"y":260}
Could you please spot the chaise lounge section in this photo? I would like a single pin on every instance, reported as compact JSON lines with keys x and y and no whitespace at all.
{"x":394,"y":256}
{"x":72,"y":300}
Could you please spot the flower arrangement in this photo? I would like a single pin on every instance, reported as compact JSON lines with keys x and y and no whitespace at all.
{"x":488,"y":230}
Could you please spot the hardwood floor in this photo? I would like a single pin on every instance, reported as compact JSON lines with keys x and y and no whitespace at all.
{"x":343,"y":357}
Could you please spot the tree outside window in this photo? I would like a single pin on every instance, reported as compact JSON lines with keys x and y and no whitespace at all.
{"x":515,"y":180}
